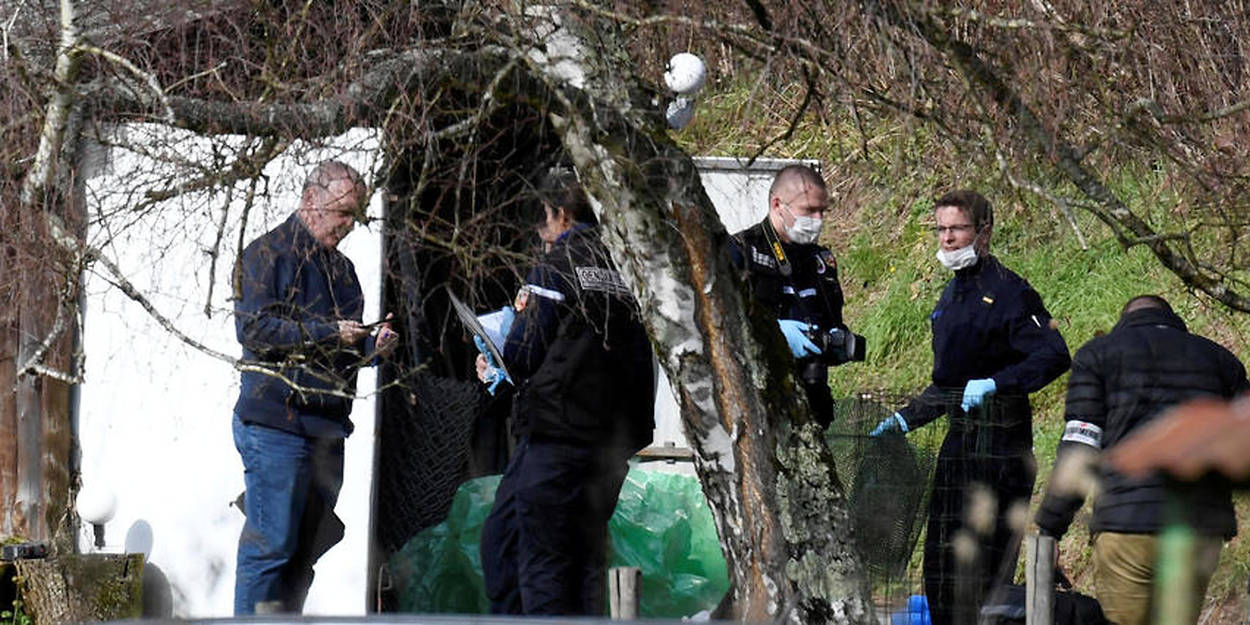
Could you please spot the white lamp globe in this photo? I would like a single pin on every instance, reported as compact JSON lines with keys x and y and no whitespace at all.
{"x":686,"y":74}
{"x":96,"y":505}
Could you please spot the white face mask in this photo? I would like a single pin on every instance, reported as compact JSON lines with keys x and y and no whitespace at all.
{"x":804,"y":229}
{"x":957,"y":259}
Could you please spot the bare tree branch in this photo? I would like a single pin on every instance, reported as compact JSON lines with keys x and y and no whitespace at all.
{"x":1109,"y":208}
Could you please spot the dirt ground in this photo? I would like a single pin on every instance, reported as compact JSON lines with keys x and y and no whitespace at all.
{"x":1229,"y":611}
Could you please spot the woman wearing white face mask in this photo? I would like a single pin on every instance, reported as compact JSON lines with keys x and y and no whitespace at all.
{"x":993,"y":344}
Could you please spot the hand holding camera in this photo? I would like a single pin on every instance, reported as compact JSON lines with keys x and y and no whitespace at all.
{"x":836,"y":346}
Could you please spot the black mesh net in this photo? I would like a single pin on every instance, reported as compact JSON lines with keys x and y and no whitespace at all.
{"x":972,"y":499}
{"x":422,"y":453}
{"x":887,"y":482}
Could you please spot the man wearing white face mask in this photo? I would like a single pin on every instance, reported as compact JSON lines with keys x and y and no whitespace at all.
{"x":993,"y":344}
{"x":797,"y":279}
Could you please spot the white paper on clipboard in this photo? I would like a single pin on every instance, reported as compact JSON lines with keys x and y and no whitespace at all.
{"x":492,"y":324}
{"x":492,"y":336}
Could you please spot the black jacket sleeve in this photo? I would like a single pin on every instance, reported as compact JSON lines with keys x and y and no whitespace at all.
{"x":536,"y":326}
{"x":1085,"y":413}
{"x":1046,"y":353}
{"x":924,"y":408}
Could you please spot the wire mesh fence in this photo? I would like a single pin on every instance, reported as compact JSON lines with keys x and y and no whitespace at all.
{"x":961,"y":482}
{"x":423,"y":454}
{"x":937,"y":513}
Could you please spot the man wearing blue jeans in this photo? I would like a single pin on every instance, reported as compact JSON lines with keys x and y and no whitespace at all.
{"x":298,"y":318}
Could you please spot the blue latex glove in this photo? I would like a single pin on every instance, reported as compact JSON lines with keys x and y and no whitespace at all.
{"x":890,"y":424}
{"x":975,"y":392}
{"x":800,"y":345}
{"x":494,"y":375}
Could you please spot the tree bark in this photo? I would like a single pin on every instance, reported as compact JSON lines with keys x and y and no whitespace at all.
{"x":9,"y":523}
{"x":41,"y":446}
{"x":71,"y":589}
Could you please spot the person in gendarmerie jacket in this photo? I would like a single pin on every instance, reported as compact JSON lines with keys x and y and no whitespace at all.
{"x":585,"y":394}
{"x":1120,"y":382}
{"x":794,"y":277}
{"x":993,"y":344}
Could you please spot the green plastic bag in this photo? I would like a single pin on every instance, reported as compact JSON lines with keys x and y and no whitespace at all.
{"x":662,"y":525}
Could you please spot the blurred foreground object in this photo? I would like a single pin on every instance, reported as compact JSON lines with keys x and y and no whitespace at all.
{"x":1187,"y":442}
{"x":1194,"y":438}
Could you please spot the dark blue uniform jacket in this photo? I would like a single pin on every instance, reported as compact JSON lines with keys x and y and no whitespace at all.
{"x":989,"y":323}
{"x":579,"y":353}
{"x":294,"y":291}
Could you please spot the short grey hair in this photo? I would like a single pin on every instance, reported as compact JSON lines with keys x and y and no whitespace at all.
{"x":327,"y":172}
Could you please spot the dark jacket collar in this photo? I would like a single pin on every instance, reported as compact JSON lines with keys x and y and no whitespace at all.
{"x":302,"y":239}
{"x":578,"y":229}
{"x":987,"y":260}
{"x":1151,"y":317}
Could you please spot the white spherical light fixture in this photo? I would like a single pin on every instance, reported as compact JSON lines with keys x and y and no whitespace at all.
{"x":685,"y":74}
{"x":97,"y":507}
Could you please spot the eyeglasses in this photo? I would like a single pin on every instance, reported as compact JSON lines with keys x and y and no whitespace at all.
{"x":955,"y":229}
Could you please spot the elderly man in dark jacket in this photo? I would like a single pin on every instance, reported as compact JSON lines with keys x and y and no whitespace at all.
{"x":299,"y":321}
{"x":1120,"y":382}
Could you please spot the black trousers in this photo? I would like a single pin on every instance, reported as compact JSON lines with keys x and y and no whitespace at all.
{"x":819,"y":400}
{"x":544,"y":544}
{"x":970,"y":544}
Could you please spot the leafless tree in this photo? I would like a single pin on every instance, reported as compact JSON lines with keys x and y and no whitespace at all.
{"x":565,"y":71}
{"x":1053,"y":93}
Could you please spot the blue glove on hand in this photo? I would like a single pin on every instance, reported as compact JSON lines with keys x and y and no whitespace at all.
{"x":800,"y":345}
{"x":890,"y":424}
{"x":494,"y":376}
{"x":975,"y":392}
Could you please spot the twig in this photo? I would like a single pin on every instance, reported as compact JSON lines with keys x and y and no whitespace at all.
{"x":147,"y":78}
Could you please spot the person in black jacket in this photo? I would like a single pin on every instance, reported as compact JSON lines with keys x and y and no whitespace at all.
{"x":1120,"y":382}
{"x":993,"y":344}
{"x":796,"y":279}
{"x":298,"y":318}
{"x":584,"y":405}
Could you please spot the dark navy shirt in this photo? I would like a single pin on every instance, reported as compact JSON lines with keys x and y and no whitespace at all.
{"x":989,"y":323}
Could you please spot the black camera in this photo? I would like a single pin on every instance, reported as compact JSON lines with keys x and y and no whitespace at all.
{"x":837,"y":346}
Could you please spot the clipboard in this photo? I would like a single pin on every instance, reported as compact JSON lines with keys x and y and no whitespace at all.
{"x":474,"y":326}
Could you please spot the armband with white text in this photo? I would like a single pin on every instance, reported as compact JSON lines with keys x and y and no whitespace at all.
{"x":1082,"y":432}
